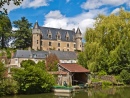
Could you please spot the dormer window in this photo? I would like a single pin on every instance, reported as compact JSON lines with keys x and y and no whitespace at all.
{"x":58,"y":36}
{"x":49,"y":34}
{"x":67,"y":36}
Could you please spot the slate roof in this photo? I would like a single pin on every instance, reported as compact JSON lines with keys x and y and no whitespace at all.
{"x":54,"y":32}
{"x":30,"y":54}
{"x":72,"y":67}
{"x":64,"y":55}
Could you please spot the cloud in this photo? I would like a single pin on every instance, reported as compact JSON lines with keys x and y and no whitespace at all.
{"x":115,"y":11}
{"x":34,"y":3}
{"x":26,"y":4}
{"x":10,"y":7}
{"x":93,"y":4}
{"x":84,"y":20}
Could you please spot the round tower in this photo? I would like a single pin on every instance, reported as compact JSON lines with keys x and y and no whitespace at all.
{"x":78,"y":40}
{"x":36,"y":37}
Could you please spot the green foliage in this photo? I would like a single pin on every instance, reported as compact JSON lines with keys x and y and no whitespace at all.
{"x":22,"y":36}
{"x":2,"y":69}
{"x":27,"y":63}
{"x":33,"y":79}
{"x":8,"y":53}
{"x":5,"y":31}
{"x":82,"y":59}
{"x":102,"y":73}
{"x":125,"y":76}
{"x":106,"y":83}
{"x":41,"y":64}
{"x":8,"y":87}
{"x":108,"y":44}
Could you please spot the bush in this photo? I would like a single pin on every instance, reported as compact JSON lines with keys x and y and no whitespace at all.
{"x":125,"y":76}
{"x":106,"y":83}
{"x":8,"y":87}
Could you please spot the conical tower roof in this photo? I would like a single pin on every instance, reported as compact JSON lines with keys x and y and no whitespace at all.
{"x":36,"y":26}
{"x":78,"y":31}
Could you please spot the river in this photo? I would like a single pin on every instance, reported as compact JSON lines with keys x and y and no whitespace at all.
{"x":114,"y":92}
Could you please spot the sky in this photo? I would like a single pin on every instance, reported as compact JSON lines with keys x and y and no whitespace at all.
{"x":65,"y":14}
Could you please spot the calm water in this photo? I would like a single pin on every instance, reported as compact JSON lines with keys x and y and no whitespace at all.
{"x":118,"y":92}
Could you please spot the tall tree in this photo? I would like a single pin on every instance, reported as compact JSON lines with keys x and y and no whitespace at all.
{"x":108,"y":43}
{"x":51,"y":62}
{"x":23,"y":35}
{"x":5,"y":30}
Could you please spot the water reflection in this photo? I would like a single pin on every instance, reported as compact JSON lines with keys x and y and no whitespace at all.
{"x":114,"y":92}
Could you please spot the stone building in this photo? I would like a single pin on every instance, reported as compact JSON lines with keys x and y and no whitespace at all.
{"x":46,"y":38}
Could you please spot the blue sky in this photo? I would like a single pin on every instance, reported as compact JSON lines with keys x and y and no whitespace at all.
{"x":66,"y":14}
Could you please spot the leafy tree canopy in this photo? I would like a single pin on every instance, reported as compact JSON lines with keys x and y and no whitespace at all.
{"x":33,"y":79}
{"x":108,"y":43}
{"x":22,"y":36}
{"x":51,"y":62}
{"x":5,"y":31}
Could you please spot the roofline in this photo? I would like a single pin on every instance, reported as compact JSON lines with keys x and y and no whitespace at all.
{"x":56,"y":28}
{"x":69,"y":70}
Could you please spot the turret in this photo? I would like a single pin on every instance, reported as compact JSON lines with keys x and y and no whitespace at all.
{"x":78,"y":39}
{"x":36,"y":37}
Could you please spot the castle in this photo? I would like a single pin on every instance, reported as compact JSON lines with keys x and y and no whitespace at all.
{"x":46,"y":38}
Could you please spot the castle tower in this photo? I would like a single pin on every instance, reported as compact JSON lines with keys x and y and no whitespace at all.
{"x":36,"y":37}
{"x":78,"y":40}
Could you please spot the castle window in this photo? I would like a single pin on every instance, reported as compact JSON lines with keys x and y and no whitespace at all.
{"x":67,"y":36}
{"x":58,"y":44}
{"x":49,"y":36}
{"x":67,"y":49}
{"x":58,"y":36}
{"x":74,"y":45}
{"x":67,"y":45}
{"x":37,"y":41}
{"x":58,"y":49}
{"x":49,"y":43}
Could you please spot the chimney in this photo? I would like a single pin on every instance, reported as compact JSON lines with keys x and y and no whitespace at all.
{"x":73,"y":29}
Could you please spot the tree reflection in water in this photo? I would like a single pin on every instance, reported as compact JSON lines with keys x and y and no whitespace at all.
{"x":114,"y":92}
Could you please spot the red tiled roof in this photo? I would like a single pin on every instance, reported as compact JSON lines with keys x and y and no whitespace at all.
{"x":72,"y":67}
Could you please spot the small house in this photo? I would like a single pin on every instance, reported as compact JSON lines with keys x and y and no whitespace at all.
{"x":72,"y":74}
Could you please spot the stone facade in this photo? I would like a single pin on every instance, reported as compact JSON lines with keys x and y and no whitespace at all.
{"x":46,"y":38}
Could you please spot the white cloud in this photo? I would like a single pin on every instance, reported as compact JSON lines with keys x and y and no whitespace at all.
{"x":10,"y":7}
{"x":26,"y":4}
{"x":34,"y":3}
{"x":93,"y":4}
{"x":85,"y":20}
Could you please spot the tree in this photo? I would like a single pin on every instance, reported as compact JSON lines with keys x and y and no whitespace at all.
{"x":22,"y":36}
{"x":108,"y":43}
{"x":3,"y":2}
{"x":2,"y":70}
{"x":5,"y":31}
{"x":33,"y":79}
{"x":51,"y":62}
